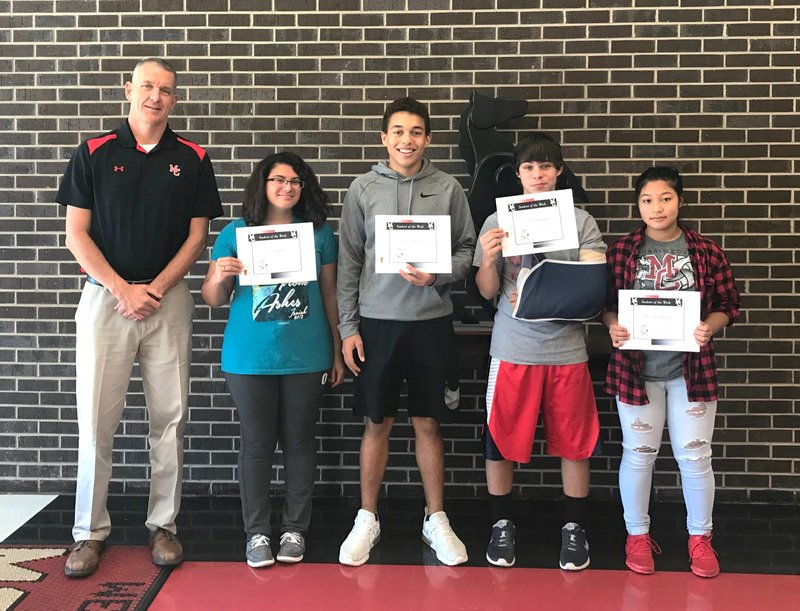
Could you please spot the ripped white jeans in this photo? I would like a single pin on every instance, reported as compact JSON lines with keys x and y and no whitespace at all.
{"x":691,"y":427}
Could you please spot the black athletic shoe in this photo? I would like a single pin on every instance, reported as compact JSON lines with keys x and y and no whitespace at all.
{"x":574,"y":548}
{"x":501,"y":546}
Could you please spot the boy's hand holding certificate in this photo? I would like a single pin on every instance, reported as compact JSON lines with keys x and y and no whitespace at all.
{"x":537,"y":222}
{"x":660,"y":320}
{"x":277,"y":253}
{"x":421,"y":240}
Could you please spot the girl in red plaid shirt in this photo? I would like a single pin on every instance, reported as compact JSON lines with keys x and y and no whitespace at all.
{"x":658,"y":388}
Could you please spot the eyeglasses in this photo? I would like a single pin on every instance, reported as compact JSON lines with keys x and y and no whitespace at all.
{"x":282,"y":182}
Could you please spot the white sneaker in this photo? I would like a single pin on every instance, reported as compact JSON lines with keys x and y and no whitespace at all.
{"x":437,"y":533}
{"x":365,"y":534}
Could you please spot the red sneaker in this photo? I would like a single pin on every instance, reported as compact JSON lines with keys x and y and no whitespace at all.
{"x":702,"y":557}
{"x":639,"y":553}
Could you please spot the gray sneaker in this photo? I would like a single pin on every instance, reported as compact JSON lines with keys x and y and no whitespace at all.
{"x":574,"y":548}
{"x":500,"y":551}
{"x":258,"y":552}
{"x":293,"y":546}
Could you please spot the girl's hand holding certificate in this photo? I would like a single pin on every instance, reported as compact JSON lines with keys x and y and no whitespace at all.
{"x":703,"y":333}
{"x":227,"y":267}
{"x":619,"y":334}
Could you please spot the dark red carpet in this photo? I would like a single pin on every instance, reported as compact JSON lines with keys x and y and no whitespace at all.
{"x":32,"y":579}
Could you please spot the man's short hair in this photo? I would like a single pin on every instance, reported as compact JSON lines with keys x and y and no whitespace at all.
{"x":160,"y":62}
{"x":538,"y":147}
{"x":409,"y":105}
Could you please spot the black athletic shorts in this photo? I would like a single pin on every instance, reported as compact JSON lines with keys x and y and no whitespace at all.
{"x":419,"y":352}
{"x":490,"y":449}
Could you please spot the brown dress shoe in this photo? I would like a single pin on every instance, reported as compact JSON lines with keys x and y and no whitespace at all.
{"x":165,"y":549}
{"x":84,"y":558}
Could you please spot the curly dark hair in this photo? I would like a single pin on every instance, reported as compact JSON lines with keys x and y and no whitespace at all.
{"x":313,"y":205}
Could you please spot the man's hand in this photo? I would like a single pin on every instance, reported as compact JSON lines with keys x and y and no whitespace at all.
{"x":417,"y":277}
{"x":135,"y":302}
{"x":491,"y":244}
{"x":350,"y":344}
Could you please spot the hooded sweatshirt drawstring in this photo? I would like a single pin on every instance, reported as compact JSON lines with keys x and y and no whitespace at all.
{"x":397,"y":179}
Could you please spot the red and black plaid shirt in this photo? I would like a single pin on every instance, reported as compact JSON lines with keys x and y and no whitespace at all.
{"x":713,"y":278}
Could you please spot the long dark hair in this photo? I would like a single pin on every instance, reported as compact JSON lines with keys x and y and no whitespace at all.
{"x":313,"y":205}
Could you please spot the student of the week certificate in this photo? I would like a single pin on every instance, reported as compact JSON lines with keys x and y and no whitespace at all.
{"x":537,"y":222}
{"x":660,"y":320}
{"x":277,"y":253}
{"x":422,"y":240}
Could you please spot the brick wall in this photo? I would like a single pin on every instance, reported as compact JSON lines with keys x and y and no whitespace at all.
{"x":707,"y":85}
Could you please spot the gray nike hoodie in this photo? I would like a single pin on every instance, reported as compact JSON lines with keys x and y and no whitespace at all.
{"x":362,"y":292}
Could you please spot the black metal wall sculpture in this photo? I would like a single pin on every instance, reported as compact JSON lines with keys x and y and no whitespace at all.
{"x":489,"y":156}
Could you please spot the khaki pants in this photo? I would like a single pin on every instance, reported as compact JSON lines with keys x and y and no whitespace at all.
{"x":106,"y":346}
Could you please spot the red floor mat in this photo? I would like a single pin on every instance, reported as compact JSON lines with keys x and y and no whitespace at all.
{"x":32,"y":579}
{"x":202,"y":586}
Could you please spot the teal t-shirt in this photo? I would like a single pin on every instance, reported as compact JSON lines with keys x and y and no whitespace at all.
{"x":277,"y":329}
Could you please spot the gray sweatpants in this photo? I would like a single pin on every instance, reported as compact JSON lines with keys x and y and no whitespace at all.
{"x":276,"y":408}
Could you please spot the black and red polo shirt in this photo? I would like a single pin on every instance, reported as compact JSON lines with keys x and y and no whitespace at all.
{"x":142,"y":203}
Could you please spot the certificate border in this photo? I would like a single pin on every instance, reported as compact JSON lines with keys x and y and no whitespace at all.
{"x":444,"y":254}
{"x":569,"y":228}
{"x":691,"y":313}
{"x":308,"y":258}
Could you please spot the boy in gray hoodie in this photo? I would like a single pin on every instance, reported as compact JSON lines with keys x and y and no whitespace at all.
{"x":398,"y":326}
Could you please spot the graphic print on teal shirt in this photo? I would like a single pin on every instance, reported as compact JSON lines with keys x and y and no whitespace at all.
{"x":277,"y":329}
{"x":285,"y":301}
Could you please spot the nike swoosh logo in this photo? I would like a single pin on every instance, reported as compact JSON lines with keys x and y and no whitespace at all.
{"x":423,"y":195}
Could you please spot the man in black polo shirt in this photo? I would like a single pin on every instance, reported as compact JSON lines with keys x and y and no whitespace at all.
{"x":138,"y":202}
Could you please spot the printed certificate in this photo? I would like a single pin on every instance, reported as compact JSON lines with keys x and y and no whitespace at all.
{"x":421,"y":240}
{"x":277,"y":253}
{"x":537,"y":222}
{"x":660,"y":320}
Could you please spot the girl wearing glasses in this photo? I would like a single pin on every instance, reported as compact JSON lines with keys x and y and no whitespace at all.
{"x":280,"y":348}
